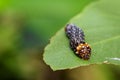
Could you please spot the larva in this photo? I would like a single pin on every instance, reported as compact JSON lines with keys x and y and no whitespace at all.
{"x":77,"y":41}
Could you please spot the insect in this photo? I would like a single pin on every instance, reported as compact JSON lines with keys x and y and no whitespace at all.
{"x":77,"y":41}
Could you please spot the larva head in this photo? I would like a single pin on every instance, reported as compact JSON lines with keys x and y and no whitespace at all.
{"x":83,"y":50}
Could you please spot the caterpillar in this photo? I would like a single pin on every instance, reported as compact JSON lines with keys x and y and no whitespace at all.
{"x":77,"y":41}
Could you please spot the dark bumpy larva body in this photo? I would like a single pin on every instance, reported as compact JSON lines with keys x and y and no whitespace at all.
{"x":77,"y":41}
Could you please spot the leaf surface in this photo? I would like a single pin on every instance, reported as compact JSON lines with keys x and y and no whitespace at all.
{"x":101,"y":26}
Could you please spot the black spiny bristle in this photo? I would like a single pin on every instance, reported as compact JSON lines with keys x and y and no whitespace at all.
{"x":75,"y":34}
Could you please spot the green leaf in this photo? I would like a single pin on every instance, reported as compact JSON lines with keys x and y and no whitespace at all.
{"x":100,"y":22}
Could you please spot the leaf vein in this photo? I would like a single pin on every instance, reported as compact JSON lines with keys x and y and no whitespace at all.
{"x":106,"y":40}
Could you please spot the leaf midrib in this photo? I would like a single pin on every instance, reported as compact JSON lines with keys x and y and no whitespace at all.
{"x":106,"y":40}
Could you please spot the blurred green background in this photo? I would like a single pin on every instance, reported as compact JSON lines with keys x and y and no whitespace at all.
{"x":26,"y":27}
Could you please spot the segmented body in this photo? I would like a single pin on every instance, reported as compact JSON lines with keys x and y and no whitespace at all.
{"x":77,"y":41}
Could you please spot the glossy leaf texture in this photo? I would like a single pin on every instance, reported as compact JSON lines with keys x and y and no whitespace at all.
{"x":101,"y":26}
